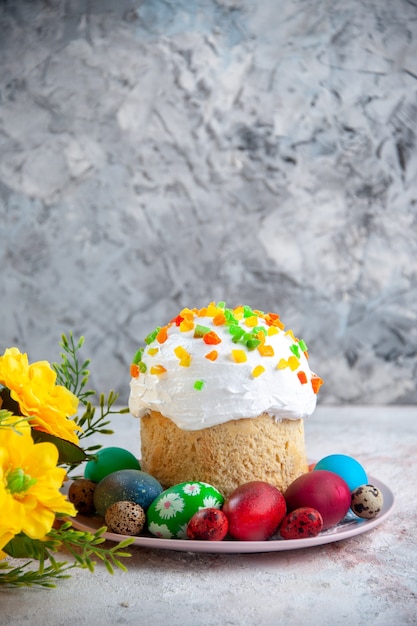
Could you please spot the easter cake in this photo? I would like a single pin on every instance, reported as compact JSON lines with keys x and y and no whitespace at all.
{"x":221,"y":395}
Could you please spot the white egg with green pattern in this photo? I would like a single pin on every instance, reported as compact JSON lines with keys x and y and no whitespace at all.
{"x":169,"y":514}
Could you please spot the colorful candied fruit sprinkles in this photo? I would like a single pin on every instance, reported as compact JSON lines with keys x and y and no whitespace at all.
{"x":243,"y":325}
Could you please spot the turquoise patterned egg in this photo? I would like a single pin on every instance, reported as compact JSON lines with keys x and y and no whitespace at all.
{"x":170,"y":512}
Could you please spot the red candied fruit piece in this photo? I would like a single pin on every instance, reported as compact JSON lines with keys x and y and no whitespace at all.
{"x":302,"y":377}
{"x":316,"y":383}
{"x":211,"y":338}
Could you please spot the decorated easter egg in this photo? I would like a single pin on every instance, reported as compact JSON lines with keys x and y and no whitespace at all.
{"x":109,"y":460}
{"x":254,"y":510}
{"x":125,"y":518}
{"x":367,"y":501}
{"x":208,"y":525}
{"x":170,"y":512}
{"x":81,"y":494}
{"x":302,"y":523}
{"x":129,"y":484}
{"x":322,"y":490}
{"x":345,"y":466}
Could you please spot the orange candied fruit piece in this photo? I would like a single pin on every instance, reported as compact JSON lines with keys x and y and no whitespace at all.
{"x":239,"y":356}
{"x":316,"y":382}
{"x":211,"y":338}
{"x":134,"y":370}
{"x":212,"y":356}
{"x":302,"y":377}
{"x":265,"y":350}
{"x":219,"y":319}
{"x":162,"y":335}
{"x":158,"y":370}
{"x":187,"y":314}
{"x":273,"y":319}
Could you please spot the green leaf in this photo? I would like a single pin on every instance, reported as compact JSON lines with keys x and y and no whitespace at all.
{"x":69,"y":453}
{"x":19,"y":548}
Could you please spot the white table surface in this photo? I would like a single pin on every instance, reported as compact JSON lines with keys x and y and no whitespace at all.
{"x":368,"y":579}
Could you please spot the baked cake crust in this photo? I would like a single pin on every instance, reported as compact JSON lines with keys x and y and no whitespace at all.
{"x":226,"y":455}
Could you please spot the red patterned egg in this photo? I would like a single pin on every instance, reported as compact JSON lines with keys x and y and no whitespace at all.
{"x":302,"y":523}
{"x":254,"y":511}
{"x":322,"y":490}
{"x":208,"y":524}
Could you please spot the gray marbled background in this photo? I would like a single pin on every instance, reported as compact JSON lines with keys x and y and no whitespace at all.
{"x":160,"y":154}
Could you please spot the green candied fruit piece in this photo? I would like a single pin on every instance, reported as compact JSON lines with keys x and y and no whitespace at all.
{"x":230,"y":318}
{"x":200,"y":331}
{"x":237,"y":333}
{"x":151,"y":337}
{"x":142,"y":367}
{"x":252,"y":343}
{"x":294,"y":349}
{"x":198,"y":385}
{"x":138,"y":356}
{"x":259,"y":329}
{"x":247,"y":311}
{"x":221,"y":305}
{"x":303,"y":345}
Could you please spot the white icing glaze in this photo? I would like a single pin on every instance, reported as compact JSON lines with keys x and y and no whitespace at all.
{"x":230,"y":391}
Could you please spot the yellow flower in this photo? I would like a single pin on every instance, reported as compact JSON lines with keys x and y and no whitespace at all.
{"x":33,"y":387}
{"x":29,"y":485}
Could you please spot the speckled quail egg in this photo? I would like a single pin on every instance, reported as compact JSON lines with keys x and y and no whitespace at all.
{"x":367,"y":501}
{"x":125,"y":518}
{"x":81,"y":494}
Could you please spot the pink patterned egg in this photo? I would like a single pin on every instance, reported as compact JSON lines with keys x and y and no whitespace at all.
{"x":322,"y":490}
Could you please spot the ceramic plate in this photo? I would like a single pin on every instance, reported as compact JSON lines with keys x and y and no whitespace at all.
{"x":349,"y":527}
